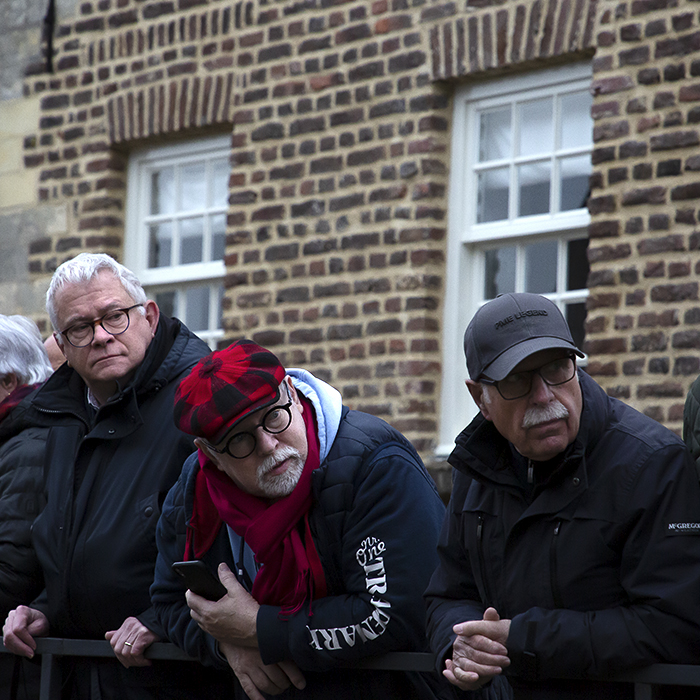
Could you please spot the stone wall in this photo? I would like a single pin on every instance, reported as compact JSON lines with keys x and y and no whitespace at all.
{"x":22,"y":220}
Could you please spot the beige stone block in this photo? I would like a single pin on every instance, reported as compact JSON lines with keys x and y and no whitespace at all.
{"x":18,"y":189}
{"x":18,"y":117}
{"x":17,"y":184}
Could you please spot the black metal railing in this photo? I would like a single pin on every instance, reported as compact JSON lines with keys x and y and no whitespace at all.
{"x":51,"y":649}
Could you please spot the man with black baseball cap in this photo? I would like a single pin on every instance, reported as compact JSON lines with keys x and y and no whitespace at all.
{"x":571,"y":547}
{"x":339,"y":512}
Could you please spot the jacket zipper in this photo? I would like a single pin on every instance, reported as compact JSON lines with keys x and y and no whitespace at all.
{"x":554,"y":582}
{"x":482,"y":561}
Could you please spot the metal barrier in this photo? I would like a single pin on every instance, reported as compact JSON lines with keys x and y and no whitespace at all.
{"x":51,"y":649}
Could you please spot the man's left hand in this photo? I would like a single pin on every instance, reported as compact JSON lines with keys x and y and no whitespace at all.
{"x":233,"y":619}
{"x":130,"y":642}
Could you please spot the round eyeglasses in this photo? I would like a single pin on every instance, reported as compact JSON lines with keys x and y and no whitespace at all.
{"x":276,"y":420}
{"x":519,"y":384}
{"x":115,"y":322}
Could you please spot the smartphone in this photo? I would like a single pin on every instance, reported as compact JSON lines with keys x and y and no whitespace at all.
{"x":199,"y":579}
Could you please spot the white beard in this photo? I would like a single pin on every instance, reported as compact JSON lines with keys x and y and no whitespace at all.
{"x":543,"y":414}
{"x":280,"y":485}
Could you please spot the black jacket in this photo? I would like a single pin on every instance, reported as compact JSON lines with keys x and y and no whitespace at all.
{"x":371,"y":494}
{"x":599,"y":569}
{"x":108,"y":472}
{"x":22,"y":448}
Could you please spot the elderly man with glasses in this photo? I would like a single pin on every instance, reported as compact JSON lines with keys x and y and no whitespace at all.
{"x":571,"y":547}
{"x":113,"y":452}
{"x":321,"y":522}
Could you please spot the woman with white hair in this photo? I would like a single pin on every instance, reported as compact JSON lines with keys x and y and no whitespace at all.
{"x":24,"y":365}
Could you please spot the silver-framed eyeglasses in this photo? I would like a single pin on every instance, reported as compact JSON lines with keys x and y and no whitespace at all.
{"x":519,"y":384}
{"x":115,"y":322}
{"x":276,"y":420}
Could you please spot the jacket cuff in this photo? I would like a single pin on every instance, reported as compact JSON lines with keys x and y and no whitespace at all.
{"x":148,"y":619}
{"x":273,"y":642}
{"x":521,"y":648}
{"x":444,"y":654}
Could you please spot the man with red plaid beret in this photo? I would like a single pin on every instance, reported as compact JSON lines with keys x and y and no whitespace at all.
{"x":327,"y":517}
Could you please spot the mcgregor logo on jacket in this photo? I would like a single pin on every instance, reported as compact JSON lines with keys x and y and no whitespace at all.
{"x":683,"y":529}
{"x":370,"y":557}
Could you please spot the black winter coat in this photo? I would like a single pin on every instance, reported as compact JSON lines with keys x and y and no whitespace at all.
{"x":108,"y":472}
{"x":22,"y":448}
{"x":599,"y":570}
{"x":372,"y":496}
{"x":22,"y":498}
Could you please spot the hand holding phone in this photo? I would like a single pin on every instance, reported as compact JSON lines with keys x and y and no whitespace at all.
{"x":200,"y":579}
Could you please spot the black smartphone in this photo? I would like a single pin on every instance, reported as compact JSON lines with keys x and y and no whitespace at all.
{"x":199,"y":579}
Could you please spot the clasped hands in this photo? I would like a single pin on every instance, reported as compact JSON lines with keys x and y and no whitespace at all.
{"x":232,"y":621}
{"x":479,"y":653}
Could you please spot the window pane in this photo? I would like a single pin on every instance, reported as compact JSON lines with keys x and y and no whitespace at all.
{"x":577,"y":274}
{"x":191,"y":240}
{"x":167,"y":303}
{"x":495,"y":135}
{"x":193,"y":187}
{"x":162,"y":191}
{"x":500,"y":271}
{"x":576,"y":122}
{"x":220,"y":306}
{"x":160,"y":244}
{"x":536,"y":127}
{"x":218,"y":236}
{"x":541,"y":267}
{"x":219,"y":186}
{"x":492,"y":204}
{"x":197,"y":305}
{"x":574,"y":185}
{"x":533,"y":182}
{"x":576,"y":317}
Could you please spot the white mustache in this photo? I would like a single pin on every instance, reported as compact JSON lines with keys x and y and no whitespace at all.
{"x":543,"y":414}
{"x":274,"y":460}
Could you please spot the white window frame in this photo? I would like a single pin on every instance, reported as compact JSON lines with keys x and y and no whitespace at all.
{"x":177,"y":277}
{"x":468,"y":239}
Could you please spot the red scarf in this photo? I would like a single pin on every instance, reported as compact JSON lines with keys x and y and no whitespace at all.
{"x":12,"y":400}
{"x":291,"y":568}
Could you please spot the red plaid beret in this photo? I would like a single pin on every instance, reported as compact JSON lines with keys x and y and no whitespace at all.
{"x":225,"y":387}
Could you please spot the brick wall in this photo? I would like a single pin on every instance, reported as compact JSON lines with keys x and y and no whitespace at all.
{"x":338,"y":192}
{"x":643,"y":329}
{"x":339,"y":114}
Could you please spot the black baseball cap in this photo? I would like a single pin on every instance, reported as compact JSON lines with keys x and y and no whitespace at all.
{"x":511,"y":327}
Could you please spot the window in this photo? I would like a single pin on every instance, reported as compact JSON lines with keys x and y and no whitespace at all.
{"x":176,"y":229}
{"x":518,"y":218}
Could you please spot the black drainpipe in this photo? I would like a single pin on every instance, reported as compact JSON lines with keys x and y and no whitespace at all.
{"x":49,"y":26}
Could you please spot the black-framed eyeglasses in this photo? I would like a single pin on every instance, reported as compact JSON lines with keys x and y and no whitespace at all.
{"x":518,"y":384}
{"x":276,"y":420}
{"x":115,"y":322}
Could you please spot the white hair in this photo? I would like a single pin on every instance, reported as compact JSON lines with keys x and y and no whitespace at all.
{"x":84,"y":267}
{"x":22,"y":351}
{"x":486,"y":392}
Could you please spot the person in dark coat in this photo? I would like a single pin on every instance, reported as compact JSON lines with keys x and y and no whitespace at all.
{"x":571,"y":548}
{"x":24,"y":365}
{"x":327,"y":517}
{"x":113,"y":453}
